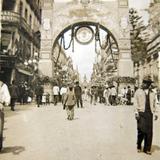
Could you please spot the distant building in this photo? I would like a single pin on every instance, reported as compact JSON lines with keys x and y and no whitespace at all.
{"x":151,"y":65}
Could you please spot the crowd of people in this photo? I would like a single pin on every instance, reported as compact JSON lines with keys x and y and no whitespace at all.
{"x":145,"y":100}
{"x":109,"y":95}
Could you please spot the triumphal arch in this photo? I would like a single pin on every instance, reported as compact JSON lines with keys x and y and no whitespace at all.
{"x":111,"y":14}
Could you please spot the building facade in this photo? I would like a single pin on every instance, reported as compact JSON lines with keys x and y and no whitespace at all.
{"x":62,"y":71}
{"x":20,"y":39}
{"x":151,"y":65}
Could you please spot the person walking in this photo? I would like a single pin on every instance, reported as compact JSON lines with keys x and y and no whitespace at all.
{"x":100,"y":94}
{"x":91,"y":90}
{"x":21,"y":89}
{"x":124,"y":92}
{"x":129,"y":95}
{"x":113,"y":95}
{"x":106,"y":95}
{"x":145,"y":108}
{"x":69,"y":102}
{"x":14,"y":94}
{"x":63,"y":91}
{"x":85,"y":93}
{"x":39,"y":92}
{"x":4,"y":101}
{"x":95,"y":95}
{"x":56,"y":91}
{"x":78,"y":94}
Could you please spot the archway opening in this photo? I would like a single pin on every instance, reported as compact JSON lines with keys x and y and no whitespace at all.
{"x":89,"y":44}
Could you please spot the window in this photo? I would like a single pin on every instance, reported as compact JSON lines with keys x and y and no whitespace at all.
{"x":26,"y":14}
{"x":30,"y":20}
{"x":8,"y":5}
{"x":21,"y":9}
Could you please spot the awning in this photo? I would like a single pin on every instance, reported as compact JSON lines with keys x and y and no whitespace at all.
{"x":24,"y":72}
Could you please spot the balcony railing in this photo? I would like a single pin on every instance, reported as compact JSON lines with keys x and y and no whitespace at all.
{"x":14,"y":18}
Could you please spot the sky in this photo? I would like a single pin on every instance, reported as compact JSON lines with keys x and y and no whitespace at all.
{"x":84,"y":55}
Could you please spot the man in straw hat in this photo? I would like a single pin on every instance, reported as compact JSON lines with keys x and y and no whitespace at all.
{"x":145,"y":108}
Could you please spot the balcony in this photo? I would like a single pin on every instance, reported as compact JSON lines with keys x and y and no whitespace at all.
{"x":13,"y":18}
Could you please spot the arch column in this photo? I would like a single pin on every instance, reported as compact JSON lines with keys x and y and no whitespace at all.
{"x":125,"y":64}
{"x":45,"y":63}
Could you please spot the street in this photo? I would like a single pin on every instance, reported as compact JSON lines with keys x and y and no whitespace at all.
{"x":97,"y":133}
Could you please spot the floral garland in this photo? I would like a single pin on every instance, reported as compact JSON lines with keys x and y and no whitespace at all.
{"x":123,"y":79}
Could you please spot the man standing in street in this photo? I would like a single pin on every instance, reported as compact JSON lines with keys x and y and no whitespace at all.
{"x":56,"y":91}
{"x":78,"y":94}
{"x":14,"y":94}
{"x":129,"y":95}
{"x":145,"y":107}
{"x":39,"y":92}
{"x":113,"y":95}
{"x":63,"y":91}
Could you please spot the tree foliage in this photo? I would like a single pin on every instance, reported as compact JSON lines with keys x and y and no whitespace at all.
{"x":138,"y":36}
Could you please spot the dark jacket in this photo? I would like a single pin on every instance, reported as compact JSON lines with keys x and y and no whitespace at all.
{"x":78,"y":91}
{"x":39,"y":90}
{"x":13,"y":91}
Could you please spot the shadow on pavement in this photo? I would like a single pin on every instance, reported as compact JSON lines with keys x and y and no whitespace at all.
{"x":155,"y":148}
{"x":16,"y":150}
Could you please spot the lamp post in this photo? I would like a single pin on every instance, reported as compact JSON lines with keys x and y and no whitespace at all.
{"x":32,"y":63}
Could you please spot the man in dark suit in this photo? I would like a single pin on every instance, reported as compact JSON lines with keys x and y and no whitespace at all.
{"x":14,"y":94}
{"x":78,"y":94}
{"x":39,"y":92}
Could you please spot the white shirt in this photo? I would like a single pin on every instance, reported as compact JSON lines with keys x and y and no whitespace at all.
{"x":123,"y":91}
{"x":113,"y":91}
{"x":4,"y":94}
{"x":146,"y":91}
{"x":63,"y":90}
{"x":55,"y":90}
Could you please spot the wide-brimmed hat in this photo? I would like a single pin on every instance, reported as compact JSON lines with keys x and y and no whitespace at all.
{"x":147,"y":80}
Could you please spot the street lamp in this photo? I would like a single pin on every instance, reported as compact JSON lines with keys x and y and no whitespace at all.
{"x":34,"y":61}
{"x":25,"y":63}
{"x":29,"y":61}
{"x":36,"y":54}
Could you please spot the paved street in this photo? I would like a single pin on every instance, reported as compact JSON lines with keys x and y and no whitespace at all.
{"x":97,"y":133}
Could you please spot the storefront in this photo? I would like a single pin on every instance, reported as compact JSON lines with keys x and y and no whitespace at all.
{"x":6,"y":66}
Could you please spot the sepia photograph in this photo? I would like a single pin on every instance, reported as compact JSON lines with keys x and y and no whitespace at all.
{"x":79,"y":79}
